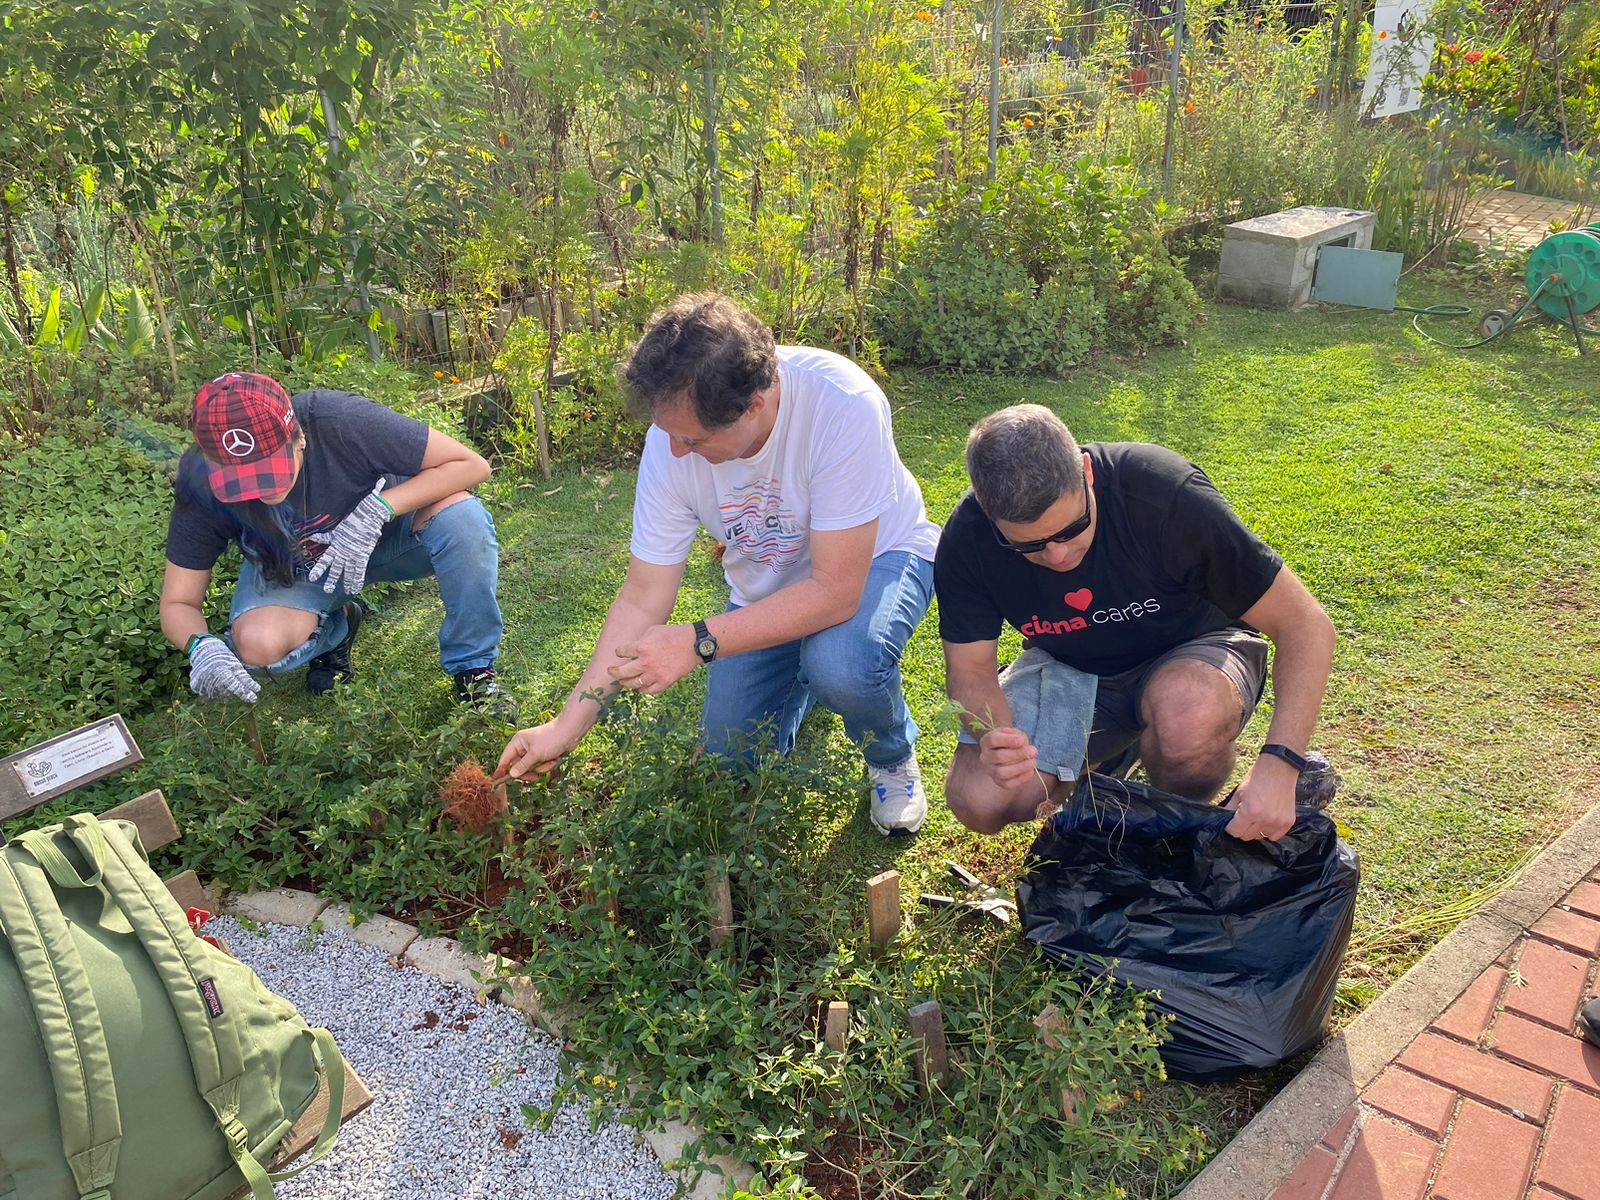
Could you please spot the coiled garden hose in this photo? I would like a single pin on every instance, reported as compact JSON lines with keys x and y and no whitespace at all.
{"x":1461,"y":310}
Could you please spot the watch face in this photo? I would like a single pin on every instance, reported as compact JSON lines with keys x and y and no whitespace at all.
{"x":706,"y":647}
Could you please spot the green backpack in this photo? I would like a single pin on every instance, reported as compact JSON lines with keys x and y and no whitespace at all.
{"x":140,"y":1062}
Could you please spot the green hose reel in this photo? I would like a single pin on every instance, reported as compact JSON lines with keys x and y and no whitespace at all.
{"x":1563,"y":283}
{"x":1571,"y":260}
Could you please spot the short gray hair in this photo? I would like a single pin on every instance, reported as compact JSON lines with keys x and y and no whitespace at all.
{"x":1022,"y":460}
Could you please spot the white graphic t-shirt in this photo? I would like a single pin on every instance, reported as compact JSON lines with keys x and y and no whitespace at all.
{"x":830,"y":463}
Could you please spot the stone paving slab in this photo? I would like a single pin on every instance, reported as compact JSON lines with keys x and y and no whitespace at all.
{"x":1464,"y":1081}
{"x":1518,"y":220}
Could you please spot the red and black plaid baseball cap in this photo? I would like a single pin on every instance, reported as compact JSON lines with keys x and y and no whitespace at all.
{"x":245,"y":426}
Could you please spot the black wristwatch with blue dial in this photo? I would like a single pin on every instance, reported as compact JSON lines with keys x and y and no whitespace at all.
{"x":705,"y":642}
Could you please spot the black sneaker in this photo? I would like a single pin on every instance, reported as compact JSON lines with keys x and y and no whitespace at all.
{"x":477,"y":689}
{"x":332,"y":667}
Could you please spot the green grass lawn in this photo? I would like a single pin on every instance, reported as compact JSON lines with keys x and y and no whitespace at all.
{"x":1441,"y":505}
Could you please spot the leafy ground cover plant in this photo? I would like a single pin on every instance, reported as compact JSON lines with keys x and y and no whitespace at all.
{"x":619,"y":924}
{"x":82,"y":535}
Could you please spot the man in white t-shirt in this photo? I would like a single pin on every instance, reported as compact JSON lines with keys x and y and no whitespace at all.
{"x":786,"y":455}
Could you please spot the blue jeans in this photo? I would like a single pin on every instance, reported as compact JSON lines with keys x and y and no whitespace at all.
{"x":457,"y":546}
{"x":852,"y":668}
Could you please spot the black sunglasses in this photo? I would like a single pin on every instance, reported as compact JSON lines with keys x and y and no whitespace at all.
{"x":1066,"y":535}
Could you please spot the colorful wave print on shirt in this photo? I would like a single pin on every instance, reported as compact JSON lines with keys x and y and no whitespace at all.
{"x":758,"y":527}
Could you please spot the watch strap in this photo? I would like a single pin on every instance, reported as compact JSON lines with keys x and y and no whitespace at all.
{"x":1278,"y":750}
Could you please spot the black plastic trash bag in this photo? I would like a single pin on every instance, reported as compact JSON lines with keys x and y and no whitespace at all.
{"x":1243,"y":940}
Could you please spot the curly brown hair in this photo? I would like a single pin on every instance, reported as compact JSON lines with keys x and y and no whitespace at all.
{"x":703,"y":350}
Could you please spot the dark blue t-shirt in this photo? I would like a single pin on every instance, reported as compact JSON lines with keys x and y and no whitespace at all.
{"x":351,"y":443}
{"x":1170,"y":561}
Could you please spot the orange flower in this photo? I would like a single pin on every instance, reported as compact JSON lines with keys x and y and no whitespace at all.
{"x":1451,"y":48}
{"x":1473,"y":56}
{"x":1382,"y":33}
{"x":1028,"y":121}
{"x":502,"y":138}
{"x":1189,"y":106}
{"x":438,"y":374}
{"x":923,"y":14}
{"x":455,"y":379}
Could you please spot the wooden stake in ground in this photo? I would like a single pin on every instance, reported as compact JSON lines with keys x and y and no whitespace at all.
{"x":883,"y":908}
{"x":254,"y":731}
{"x":931,"y":1056}
{"x":836,"y":1024}
{"x":719,"y":897}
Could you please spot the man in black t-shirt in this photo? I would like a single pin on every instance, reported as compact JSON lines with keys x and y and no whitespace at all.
{"x":322,"y":493}
{"x":1121,"y":565}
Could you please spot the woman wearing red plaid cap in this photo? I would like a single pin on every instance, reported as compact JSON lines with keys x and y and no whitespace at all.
{"x":323,"y":492}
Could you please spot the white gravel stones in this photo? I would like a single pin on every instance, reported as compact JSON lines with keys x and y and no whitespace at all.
{"x":449,"y":1077}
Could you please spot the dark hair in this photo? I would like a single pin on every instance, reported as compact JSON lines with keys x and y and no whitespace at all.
{"x":705,"y":351}
{"x":261,"y":529}
{"x":1022,"y":460}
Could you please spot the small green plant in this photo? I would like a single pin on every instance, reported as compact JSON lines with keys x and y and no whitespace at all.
{"x":82,"y":536}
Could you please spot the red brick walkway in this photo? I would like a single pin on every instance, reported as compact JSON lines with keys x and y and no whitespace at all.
{"x":1498,"y":1100}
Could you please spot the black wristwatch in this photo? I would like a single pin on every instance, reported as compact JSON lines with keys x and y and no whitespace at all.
{"x":1296,"y":761}
{"x":705,"y":643}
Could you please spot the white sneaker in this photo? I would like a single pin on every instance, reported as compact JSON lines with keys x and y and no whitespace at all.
{"x":899,"y":805}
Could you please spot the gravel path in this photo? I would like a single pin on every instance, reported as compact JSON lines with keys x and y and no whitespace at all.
{"x":449,"y":1077}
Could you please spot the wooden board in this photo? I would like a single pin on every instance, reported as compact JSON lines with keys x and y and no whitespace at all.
{"x":149,"y":812}
{"x":15,"y":796}
{"x":186,"y":890}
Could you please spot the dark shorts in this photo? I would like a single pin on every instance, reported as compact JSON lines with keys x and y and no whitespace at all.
{"x":1240,"y":654}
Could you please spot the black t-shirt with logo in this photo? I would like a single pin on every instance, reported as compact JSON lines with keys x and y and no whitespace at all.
{"x":1170,"y":561}
{"x":351,"y":443}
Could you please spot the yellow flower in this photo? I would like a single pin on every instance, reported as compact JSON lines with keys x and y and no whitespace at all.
{"x":455,"y":379}
{"x":599,"y":1079}
{"x":438,"y":374}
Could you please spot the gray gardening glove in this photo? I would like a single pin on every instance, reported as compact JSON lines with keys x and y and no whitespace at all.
{"x":351,"y":543}
{"x":215,"y":671}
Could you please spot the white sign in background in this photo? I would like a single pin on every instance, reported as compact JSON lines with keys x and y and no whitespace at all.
{"x":63,"y":763}
{"x":1402,"y":51}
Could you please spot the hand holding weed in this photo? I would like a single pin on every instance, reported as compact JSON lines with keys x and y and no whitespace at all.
{"x":351,"y":543}
{"x":662,"y":655}
{"x":1008,"y":756}
{"x":535,"y":751}
{"x":1263,"y":803}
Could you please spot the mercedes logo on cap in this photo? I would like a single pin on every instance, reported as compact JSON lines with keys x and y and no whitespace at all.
{"x":238,"y":442}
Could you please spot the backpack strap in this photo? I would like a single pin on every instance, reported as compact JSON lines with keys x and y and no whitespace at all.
{"x":41,"y":843}
{"x":333,"y":1070}
{"x":69,"y":1025}
{"x":213,"y":1037}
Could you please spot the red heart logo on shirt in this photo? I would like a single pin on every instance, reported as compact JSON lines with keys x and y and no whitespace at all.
{"x":1080,"y":599}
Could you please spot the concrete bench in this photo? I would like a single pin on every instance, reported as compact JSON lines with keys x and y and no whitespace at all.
{"x":1271,"y":261}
